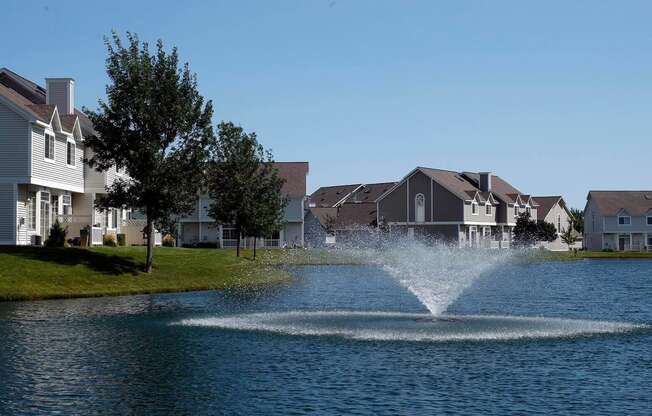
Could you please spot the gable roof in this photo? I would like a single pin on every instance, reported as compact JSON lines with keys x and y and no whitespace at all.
{"x":368,"y":192}
{"x":499,"y":187}
{"x":352,"y":215}
{"x":611,"y":202}
{"x":30,"y":98}
{"x":453,"y":181}
{"x":329,"y":196}
{"x":294,"y":174}
{"x":546,"y":203}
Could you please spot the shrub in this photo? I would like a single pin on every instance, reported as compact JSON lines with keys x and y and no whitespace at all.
{"x":109,"y":240}
{"x":168,"y":241}
{"x":75,"y":242}
{"x":206,"y":244}
{"x":57,"y":236}
{"x":122,"y":240}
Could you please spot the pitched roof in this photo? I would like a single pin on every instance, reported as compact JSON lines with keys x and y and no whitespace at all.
{"x":328,"y":196}
{"x":453,"y":181}
{"x":499,"y":187}
{"x":352,"y":215}
{"x":294,"y":174}
{"x":368,"y":192}
{"x":546,"y":203}
{"x":611,"y":202}
{"x":322,"y":213}
{"x":30,"y":97}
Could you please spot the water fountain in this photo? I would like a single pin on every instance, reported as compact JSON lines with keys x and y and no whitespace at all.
{"x":437,"y":274}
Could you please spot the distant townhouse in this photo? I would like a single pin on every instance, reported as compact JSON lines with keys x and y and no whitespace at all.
{"x":42,"y":174}
{"x":553,"y":209}
{"x":351,"y":210}
{"x":200,"y":228}
{"x":465,"y":208}
{"x":618,"y":220}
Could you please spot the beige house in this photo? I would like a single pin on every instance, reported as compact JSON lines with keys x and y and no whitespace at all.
{"x":553,"y":209}
{"x":200,"y":228}
{"x":618,"y":220}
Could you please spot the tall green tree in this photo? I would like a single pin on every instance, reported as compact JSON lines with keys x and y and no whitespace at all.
{"x":527,"y":232}
{"x":156,"y":125}
{"x":234,"y":180}
{"x":577,"y":220}
{"x":267,"y":210}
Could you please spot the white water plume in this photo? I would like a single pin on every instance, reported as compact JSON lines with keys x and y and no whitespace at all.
{"x":436,"y":273}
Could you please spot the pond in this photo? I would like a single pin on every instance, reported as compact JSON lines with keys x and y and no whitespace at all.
{"x":584,"y":348}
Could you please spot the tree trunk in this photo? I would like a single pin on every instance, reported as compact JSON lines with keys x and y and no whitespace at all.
{"x":237,"y":249}
{"x":255,"y":247}
{"x":150,"y":245}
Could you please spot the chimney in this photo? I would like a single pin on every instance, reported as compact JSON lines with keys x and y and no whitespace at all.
{"x":485,"y":181}
{"x":61,"y":92}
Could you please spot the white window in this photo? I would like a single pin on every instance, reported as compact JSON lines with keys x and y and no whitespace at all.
{"x":558,"y":223}
{"x":70,"y":153}
{"x":488,"y":209}
{"x":474,"y":208}
{"x":649,"y":241}
{"x":31,"y":211}
{"x":419,"y":208}
{"x":649,"y":220}
{"x":66,"y":203}
{"x":515,"y":211}
{"x":624,"y":220}
{"x":49,"y":146}
{"x":527,"y":209}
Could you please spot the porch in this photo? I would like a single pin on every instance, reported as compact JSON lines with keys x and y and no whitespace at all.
{"x":486,"y":237}
{"x":636,"y":242}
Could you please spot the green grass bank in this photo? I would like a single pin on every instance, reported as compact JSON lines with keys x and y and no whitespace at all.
{"x":30,"y":273}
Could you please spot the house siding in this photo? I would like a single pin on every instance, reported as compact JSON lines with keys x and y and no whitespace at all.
{"x":294,"y":210}
{"x":14,"y":135}
{"x":551,"y":217}
{"x":22,"y":233}
{"x":447,"y":206}
{"x":65,"y":177}
{"x":7,"y":213}
{"x":419,"y":184}
{"x":393,"y":208}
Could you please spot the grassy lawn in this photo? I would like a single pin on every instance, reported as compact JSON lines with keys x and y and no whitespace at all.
{"x":42,"y":273}
{"x":568,"y":255}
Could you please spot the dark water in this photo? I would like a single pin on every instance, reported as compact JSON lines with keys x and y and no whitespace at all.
{"x":127,"y":355}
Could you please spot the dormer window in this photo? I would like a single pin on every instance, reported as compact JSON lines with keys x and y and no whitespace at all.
{"x":515,"y":211}
{"x":474,"y":208}
{"x":624,"y":220}
{"x":649,"y":219}
{"x":527,"y":209}
{"x":49,"y":146}
{"x":488,"y":209}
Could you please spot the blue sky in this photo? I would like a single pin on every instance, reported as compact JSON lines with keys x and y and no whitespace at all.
{"x":554,"y":96}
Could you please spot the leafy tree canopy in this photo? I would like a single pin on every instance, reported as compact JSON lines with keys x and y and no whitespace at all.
{"x":243,"y":184}
{"x":155,"y":125}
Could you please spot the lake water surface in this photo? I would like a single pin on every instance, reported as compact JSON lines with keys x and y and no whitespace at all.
{"x":139,"y":355}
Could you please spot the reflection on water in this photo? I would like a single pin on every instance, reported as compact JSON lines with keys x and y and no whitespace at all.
{"x":123,"y":355}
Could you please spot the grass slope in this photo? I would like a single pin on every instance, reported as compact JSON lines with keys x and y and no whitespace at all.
{"x":41,"y":273}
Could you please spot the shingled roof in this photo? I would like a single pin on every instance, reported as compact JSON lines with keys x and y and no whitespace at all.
{"x":31,"y":98}
{"x":328,"y":196}
{"x":546,"y":203}
{"x":611,"y":202}
{"x":294,"y":174}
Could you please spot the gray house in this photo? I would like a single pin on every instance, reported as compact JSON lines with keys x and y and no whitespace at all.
{"x":465,"y":208}
{"x":199,"y":227}
{"x":618,"y":220}
{"x":553,"y":209}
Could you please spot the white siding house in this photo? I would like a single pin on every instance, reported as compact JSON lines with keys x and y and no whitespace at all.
{"x":43,"y":177}
{"x":199,"y":227}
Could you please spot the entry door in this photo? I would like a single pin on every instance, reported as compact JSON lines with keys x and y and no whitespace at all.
{"x":45,"y":215}
{"x":623,"y":242}
{"x":473,"y":237}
